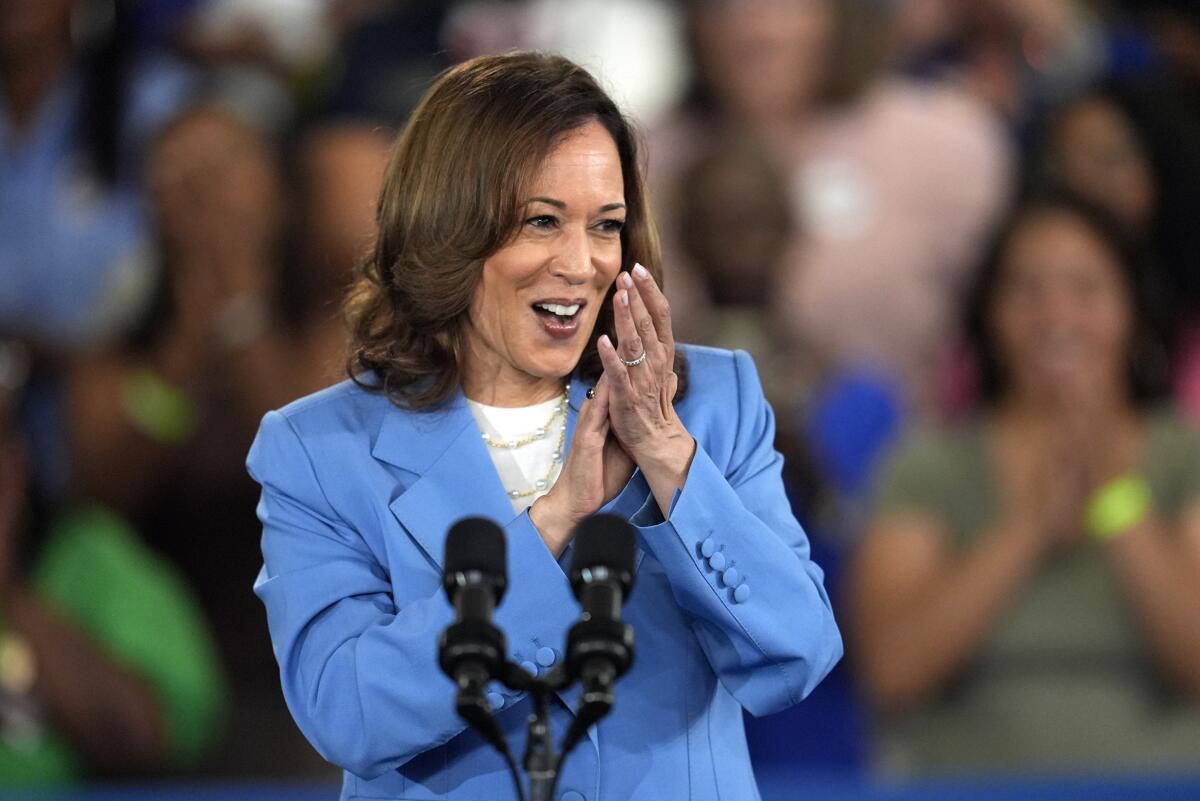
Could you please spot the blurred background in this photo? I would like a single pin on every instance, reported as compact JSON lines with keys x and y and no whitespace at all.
{"x":961,"y":239}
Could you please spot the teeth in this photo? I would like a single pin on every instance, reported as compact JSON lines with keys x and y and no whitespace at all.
{"x":563,"y":311}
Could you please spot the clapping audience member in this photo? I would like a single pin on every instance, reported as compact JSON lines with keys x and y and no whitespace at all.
{"x":78,"y":104}
{"x":1026,"y":596}
{"x":887,"y":238}
{"x":107,"y":667}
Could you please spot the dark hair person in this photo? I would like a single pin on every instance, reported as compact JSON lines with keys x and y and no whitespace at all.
{"x":1026,"y":596}
{"x":513,"y":359}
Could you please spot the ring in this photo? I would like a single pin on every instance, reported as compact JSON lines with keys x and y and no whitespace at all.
{"x":635,"y":362}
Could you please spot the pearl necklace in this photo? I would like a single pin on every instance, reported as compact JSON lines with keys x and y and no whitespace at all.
{"x":543,"y":483}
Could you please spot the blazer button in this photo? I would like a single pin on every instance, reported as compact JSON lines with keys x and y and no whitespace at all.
{"x":546,"y":656}
{"x":742,"y":594}
{"x":717,"y":561}
{"x":571,"y":795}
{"x":496,"y":700}
{"x":529,"y":667}
{"x":730,"y":577}
{"x":708,"y":547}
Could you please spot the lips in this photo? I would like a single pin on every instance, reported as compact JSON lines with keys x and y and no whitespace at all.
{"x":559,"y":317}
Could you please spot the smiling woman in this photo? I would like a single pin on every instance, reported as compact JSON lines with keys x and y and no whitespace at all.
{"x":524,"y":159}
{"x":514,"y":359}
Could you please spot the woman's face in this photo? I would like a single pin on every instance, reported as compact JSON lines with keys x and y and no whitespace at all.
{"x":1102,"y":161}
{"x":766,"y":60}
{"x":1062,"y":315}
{"x":539,"y":295}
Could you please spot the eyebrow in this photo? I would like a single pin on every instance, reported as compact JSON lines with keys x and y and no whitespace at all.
{"x":558,"y":204}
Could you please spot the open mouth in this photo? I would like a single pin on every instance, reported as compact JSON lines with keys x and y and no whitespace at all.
{"x":560,"y":313}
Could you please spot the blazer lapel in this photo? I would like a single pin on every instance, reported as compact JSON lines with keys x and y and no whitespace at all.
{"x":456,"y":477}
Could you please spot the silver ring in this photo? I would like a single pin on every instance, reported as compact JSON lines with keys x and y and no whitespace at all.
{"x":635,"y":362}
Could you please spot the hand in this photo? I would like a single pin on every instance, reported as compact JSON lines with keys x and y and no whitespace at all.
{"x":596,"y":469}
{"x":641,"y":409}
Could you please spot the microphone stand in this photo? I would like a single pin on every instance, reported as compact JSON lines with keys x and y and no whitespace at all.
{"x":541,"y":762}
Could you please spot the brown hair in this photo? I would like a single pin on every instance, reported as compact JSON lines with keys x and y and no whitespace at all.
{"x":450,"y":200}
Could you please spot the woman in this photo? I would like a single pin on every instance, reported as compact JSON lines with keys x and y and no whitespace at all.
{"x":107,"y":665}
{"x":497,"y":329}
{"x":1027,"y":595}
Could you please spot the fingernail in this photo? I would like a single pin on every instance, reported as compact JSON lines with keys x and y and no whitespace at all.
{"x":641,"y":271}
{"x":623,"y":297}
{"x":605,"y":341}
{"x":627,"y":280}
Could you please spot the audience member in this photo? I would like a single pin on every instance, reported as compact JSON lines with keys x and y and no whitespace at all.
{"x":888,"y":238}
{"x":1025,"y":597}
{"x":78,"y":103}
{"x":106,"y":663}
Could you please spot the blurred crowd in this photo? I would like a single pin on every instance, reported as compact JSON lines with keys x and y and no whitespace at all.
{"x":959,"y":238}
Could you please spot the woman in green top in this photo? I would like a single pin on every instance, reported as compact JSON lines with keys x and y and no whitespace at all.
{"x":1028,"y":594}
{"x":107,"y":666}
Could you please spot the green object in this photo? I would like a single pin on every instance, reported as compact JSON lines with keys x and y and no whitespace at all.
{"x":97,"y":574}
{"x":156,"y":408}
{"x":1117,"y":507}
{"x":1064,"y":681}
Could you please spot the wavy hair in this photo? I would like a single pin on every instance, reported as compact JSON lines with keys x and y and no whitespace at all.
{"x":450,"y":199}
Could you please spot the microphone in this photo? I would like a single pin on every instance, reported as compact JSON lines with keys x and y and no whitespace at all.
{"x":599,"y":646}
{"x":472,"y":650}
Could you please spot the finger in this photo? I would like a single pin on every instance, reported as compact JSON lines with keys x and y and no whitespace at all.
{"x":614,"y":369}
{"x":643,"y":323}
{"x":656,"y":304}
{"x":629,"y":344}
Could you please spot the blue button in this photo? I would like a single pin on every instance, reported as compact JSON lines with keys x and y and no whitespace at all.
{"x":717,"y":561}
{"x":571,"y":795}
{"x":529,"y":667}
{"x":730,"y":577}
{"x":496,"y":700}
{"x":708,"y":548}
{"x":742,"y":594}
{"x":546,"y":656}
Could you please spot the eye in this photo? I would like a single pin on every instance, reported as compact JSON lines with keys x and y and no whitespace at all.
{"x":543,"y":221}
{"x":610,"y":226}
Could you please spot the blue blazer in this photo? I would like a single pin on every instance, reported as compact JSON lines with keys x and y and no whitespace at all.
{"x":728,"y":609}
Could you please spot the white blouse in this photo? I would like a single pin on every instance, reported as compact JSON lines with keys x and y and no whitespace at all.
{"x":521,"y":468}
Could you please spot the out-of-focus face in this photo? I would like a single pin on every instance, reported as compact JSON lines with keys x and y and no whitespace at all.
{"x":1102,"y":161}
{"x":1062,"y":314}
{"x":212,"y":175}
{"x":539,"y":296}
{"x":764,"y":59}
{"x":342,"y":168}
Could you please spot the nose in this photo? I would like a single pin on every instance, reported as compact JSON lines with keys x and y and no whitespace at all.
{"x":572,"y":259}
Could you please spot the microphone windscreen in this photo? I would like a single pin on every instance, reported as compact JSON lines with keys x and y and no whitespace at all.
{"x":476,"y":543}
{"x":603,"y":541}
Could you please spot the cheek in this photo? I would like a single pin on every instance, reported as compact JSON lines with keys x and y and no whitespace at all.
{"x":1011,"y":324}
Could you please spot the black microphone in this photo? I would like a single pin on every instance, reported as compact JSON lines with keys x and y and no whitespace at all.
{"x":599,"y":646}
{"x":472,"y":650}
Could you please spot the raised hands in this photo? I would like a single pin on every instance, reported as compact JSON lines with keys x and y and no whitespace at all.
{"x":641,"y":385}
{"x":595,"y":470}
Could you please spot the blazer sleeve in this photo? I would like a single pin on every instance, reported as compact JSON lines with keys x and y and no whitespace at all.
{"x":360,"y":676}
{"x":738,"y":563}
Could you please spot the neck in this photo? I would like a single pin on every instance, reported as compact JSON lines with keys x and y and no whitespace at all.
{"x":501,"y":388}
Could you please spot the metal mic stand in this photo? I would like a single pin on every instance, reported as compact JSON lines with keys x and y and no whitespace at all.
{"x":541,"y":762}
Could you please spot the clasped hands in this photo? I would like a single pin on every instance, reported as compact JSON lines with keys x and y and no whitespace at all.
{"x":629,"y":421}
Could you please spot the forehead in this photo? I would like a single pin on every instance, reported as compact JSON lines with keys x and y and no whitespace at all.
{"x":583,"y":159}
{"x":1057,"y":243}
